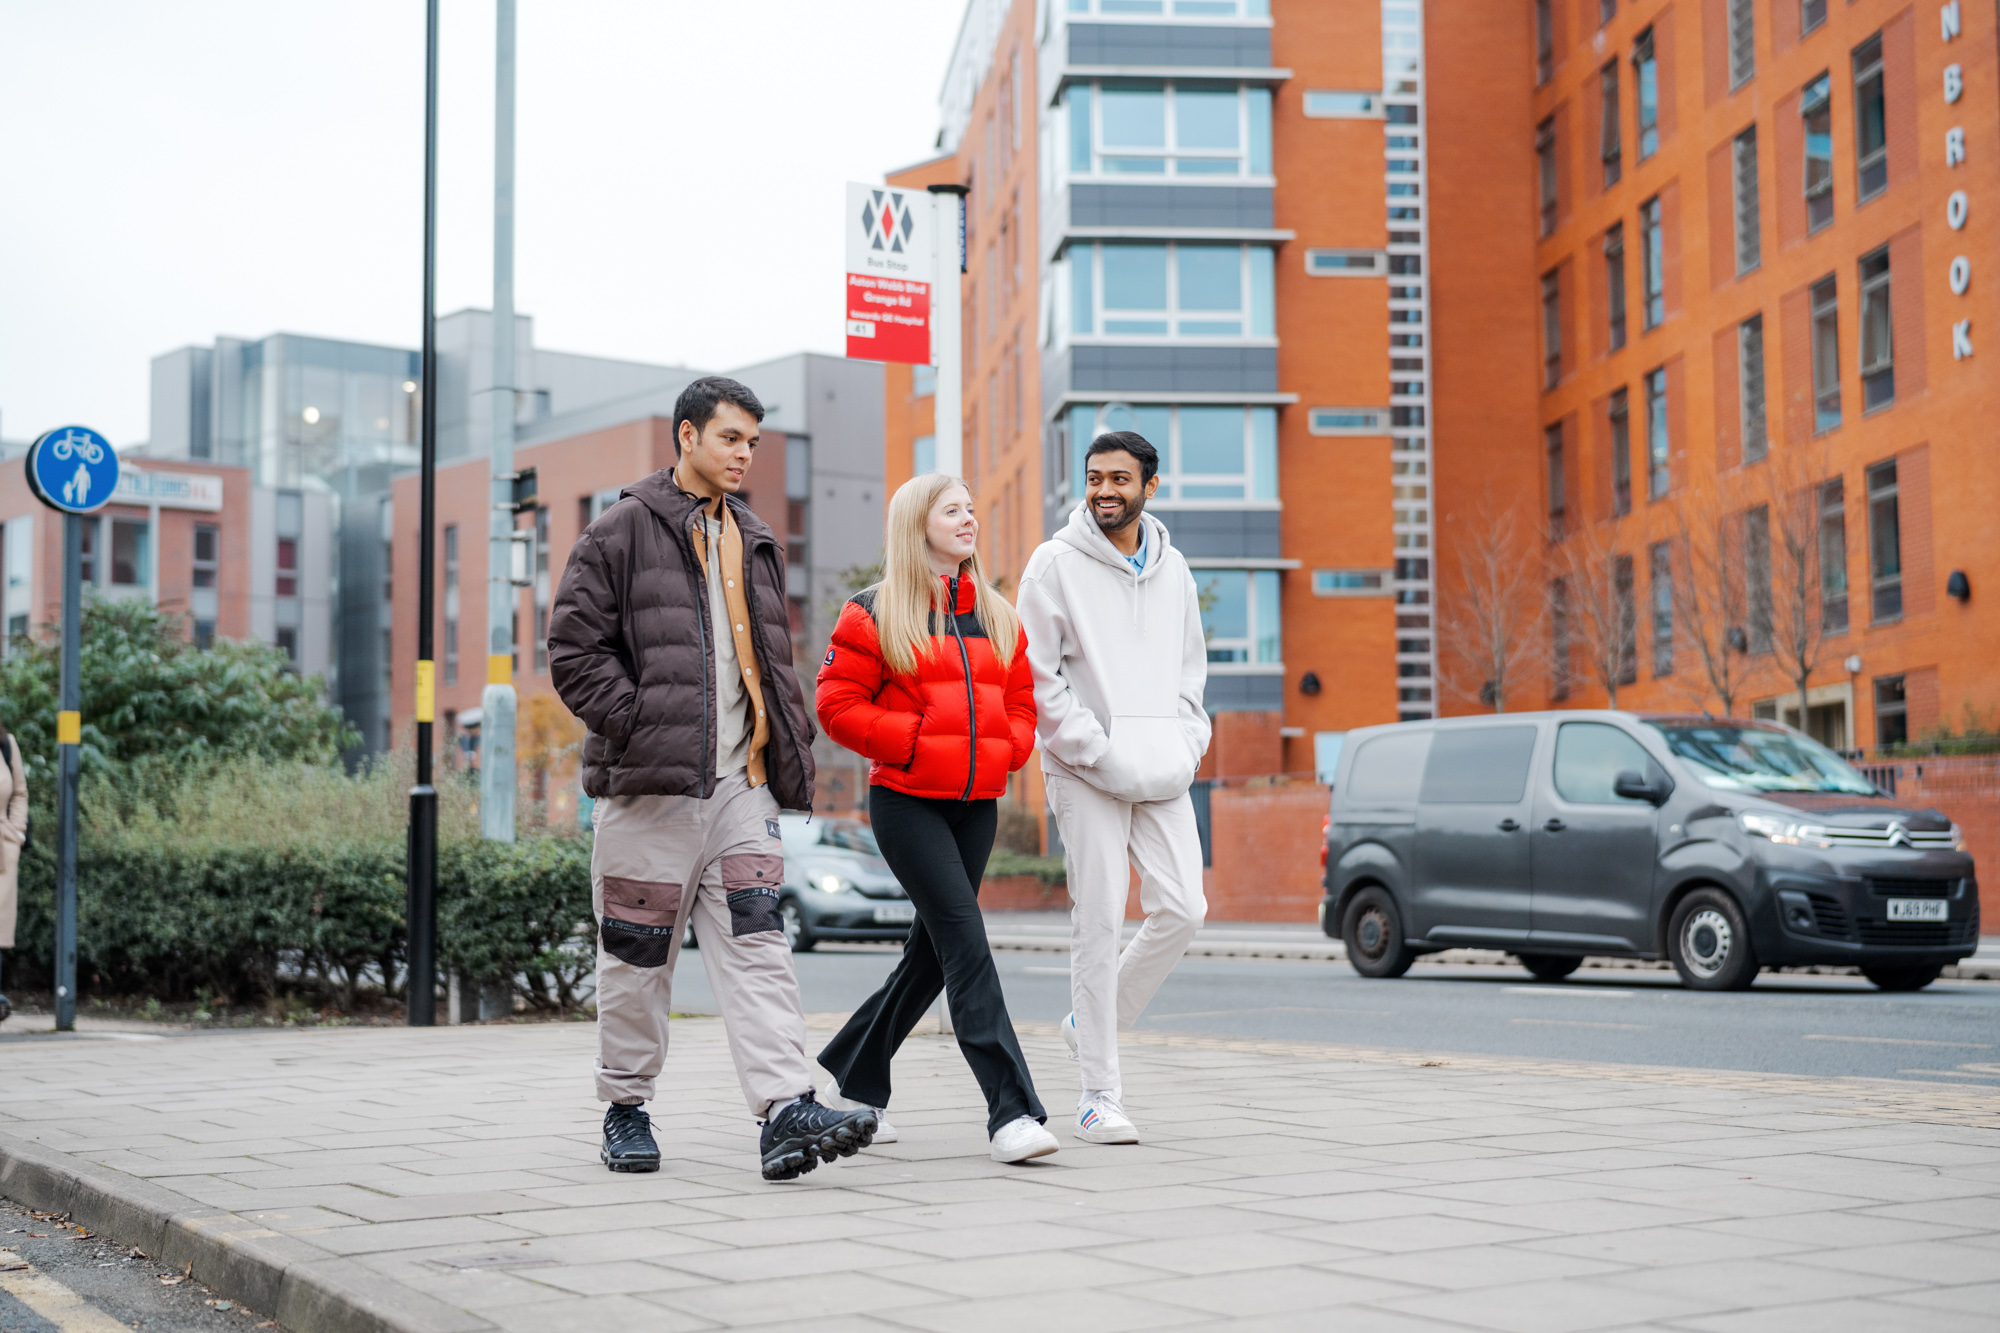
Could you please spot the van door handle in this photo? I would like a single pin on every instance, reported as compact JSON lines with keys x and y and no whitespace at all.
{"x":1508,"y":826}
{"x":1554,"y":826}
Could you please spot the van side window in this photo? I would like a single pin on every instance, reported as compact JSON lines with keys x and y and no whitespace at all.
{"x":1387,"y":768}
{"x":1478,"y":765}
{"x":1589,"y":758}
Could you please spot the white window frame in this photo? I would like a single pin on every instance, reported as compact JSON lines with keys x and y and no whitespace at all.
{"x":1094,"y":11}
{"x":1171,"y":153}
{"x":1353,"y":583}
{"x":1377,"y":422}
{"x":1265,"y":596}
{"x":1376,"y":267}
{"x":1249,"y":313}
{"x":1321,"y":104}
{"x":1260,"y":491}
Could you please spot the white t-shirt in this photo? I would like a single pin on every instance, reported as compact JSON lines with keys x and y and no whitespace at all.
{"x":733,"y":729}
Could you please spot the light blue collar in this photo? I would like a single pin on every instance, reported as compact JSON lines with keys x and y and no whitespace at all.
{"x":1138,"y":562}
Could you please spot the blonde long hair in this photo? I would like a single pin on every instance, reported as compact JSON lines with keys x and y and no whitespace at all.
{"x":909,"y":591}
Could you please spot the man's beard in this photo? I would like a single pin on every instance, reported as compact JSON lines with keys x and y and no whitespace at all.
{"x":1127,"y":515}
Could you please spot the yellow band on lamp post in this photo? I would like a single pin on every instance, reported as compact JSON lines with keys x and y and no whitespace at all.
{"x":500,"y":669}
{"x":69,"y":728}
{"x":426,"y":691}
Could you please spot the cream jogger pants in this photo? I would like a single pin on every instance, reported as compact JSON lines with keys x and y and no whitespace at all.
{"x":658,"y":861}
{"x":1104,"y":838}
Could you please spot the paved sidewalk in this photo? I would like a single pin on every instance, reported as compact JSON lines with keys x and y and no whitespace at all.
{"x":447,"y":1180}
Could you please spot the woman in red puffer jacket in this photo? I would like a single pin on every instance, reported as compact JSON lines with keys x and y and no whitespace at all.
{"x":927,"y":676}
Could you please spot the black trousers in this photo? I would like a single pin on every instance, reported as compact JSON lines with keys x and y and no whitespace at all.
{"x":938,"y":849}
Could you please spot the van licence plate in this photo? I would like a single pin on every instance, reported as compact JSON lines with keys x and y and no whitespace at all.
{"x":887,"y":914}
{"x":1919,"y":909}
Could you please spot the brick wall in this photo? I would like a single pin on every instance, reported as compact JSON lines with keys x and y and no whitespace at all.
{"x":1670,"y":83}
{"x":1728,"y":410}
{"x":1906,"y":311}
{"x":1721,"y":224}
{"x":1795,"y":360}
{"x":1899,"y":95}
{"x":1673,"y":258}
{"x":1967,"y":788}
{"x":1714,"y":50}
{"x":1913,"y":519}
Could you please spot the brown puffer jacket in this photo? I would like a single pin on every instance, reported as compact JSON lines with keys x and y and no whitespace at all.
{"x":632,"y":650}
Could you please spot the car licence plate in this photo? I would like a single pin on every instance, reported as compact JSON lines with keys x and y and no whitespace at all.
{"x":890,"y":913}
{"x":1919,"y":909}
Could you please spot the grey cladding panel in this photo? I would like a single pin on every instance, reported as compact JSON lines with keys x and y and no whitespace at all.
{"x":1223,"y":534}
{"x":1170,"y":206}
{"x":1169,"y":44}
{"x":1174,"y":369}
{"x":1244,"y":694}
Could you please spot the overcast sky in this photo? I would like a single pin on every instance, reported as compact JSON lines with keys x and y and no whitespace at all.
{"x":244,"y":167}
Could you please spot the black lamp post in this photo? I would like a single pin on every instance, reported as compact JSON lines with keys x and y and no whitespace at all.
{"x":421,"y":985}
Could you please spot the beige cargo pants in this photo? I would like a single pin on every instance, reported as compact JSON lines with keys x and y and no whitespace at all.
{"x":659,"y":861}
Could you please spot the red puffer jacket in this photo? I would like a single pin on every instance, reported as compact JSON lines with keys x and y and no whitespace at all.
{"x":952,"y":731}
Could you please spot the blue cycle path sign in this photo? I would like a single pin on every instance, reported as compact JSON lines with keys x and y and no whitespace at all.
{"x":73,"y":468}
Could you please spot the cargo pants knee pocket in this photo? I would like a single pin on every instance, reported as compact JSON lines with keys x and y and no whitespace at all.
{"x":751,"y":882}
{"x":640,"y":920}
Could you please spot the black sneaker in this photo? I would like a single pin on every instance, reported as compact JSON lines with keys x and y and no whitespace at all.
{"x":628,"y":1139}
{"x":804,"y":1134}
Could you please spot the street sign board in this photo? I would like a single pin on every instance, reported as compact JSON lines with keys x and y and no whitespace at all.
{"x":73,"y":468}
{"x":891,"y":266}
{"x":169,"y":490}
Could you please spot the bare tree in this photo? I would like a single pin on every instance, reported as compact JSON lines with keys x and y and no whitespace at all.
{"x":1599,"y":611}
{"x":1793,"y":488}
{"x":1711,"y":596}
{"x":1490,"y":625}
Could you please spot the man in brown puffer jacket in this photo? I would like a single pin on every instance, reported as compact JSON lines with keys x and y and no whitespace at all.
{"x":670,"y":639}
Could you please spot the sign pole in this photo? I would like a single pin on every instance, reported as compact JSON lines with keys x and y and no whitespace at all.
{"x":68,"y":738}
{"x":497,"y":702}
{"x":420,"y":986}
{"x":948,"y":202}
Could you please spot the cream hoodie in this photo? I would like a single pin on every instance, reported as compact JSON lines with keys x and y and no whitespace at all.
{"x":1119,"y":660}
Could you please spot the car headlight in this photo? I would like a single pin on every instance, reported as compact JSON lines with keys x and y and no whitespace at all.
{"x":829,"y":883}
{"x":1957,"y":838}
{"x":1784,"y":831}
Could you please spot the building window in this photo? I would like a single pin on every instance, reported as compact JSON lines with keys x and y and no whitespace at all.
{"x":1749,"y":243}
{"x":1652,"y":265}
{"x":1196,"y":292}
{"x":1660,"y":588}
{"x":1826,"y":354}
{"x":451,"y":604}
{"x":1334,"y":104}
{"x":1206,"y":453}
{"x":88,"y":534}
{"x":1646,"y":85}
{"x":1614,"y":283}
{"x":1812,"y":13}
{"x":1621,"y":453}
{"x":1545,"y":40}
{"x":1625,"y":607}
{"x":1347,"y":263}
{"x":1871,"y":123}
{"x":1153,"y":10}
{"x":923,"y":453}
{"x":1878,"y":361}
{"x":1240,"y":615}
{"x":1351,"y":583}
{"x":1607,"y":10}
{"x":1551,"y":329}
{"x":1347,"y":421}
{"x":1155,"y":129}
{"x":1892,"y":712}
{"x":1885,"y":544}
{"x":1552,"y":448}
{"x":1742,"y":42}
{"x":1757,"y":577}
{"x":1833,"y":556}
{"x":204,"y":634}
{"x":1750,"y":387}
{"x":1559,"y":654}
{"x":923,"y":381}
{"x":1545,"y":168}
{"x":541,"y":591}
{"x":1611,"y":134}
{"x":207,"y":549}
{"x":17,"y":633}
{"x":288,"y":644}
{"x":1816,"y":110}
{"x":129,"y":554}
{"x":1658,"y":451}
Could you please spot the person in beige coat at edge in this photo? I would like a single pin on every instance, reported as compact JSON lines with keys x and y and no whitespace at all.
{"x":13,"y":834}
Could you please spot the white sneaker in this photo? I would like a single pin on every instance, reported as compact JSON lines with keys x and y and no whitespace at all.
{"x":1022,"y":1138}
{"x":1069,"y":1034}
{"x":1100,"y":1119}
{"x":884,"y":1131}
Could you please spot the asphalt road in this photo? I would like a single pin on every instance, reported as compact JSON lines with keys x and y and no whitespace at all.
{"x":78,"y":1279}
{"x":1790,"y":1024}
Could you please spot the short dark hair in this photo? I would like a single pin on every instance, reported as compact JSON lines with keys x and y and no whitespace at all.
{"x":1130,"y":442}
{"x":699,"y":400}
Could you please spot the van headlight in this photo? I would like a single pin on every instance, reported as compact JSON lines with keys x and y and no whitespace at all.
{"x":1957,"y":838}
{"x":1784,"y":831}
{"x":830,"y":883}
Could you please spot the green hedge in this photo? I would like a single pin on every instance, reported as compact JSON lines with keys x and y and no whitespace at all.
{"x":251,"y":880}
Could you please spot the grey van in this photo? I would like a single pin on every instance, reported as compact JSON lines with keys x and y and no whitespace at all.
{"x":1724,"y":845}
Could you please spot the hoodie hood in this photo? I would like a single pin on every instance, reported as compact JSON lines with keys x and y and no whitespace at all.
{"x":1083,"y":533}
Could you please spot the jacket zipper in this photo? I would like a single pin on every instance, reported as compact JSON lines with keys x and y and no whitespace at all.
{"x":971,"y":706}
{"x":763,"y":667}
{"x":707,"y":658}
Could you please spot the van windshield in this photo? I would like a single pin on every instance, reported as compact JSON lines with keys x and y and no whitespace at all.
{"x":1750,"y":758}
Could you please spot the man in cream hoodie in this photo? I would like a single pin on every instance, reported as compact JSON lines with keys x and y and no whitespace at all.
{"x":1119,"y":658}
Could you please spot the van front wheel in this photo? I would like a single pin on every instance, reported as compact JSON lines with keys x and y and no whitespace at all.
{"x":1709,"y":942}
{"x":1372,"y":930}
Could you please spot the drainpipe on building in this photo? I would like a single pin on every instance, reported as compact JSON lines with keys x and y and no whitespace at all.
{"x":948,"y":219}
{"x":496,"y":703}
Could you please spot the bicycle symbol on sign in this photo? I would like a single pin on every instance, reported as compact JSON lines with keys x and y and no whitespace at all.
{"x":74,"y":444}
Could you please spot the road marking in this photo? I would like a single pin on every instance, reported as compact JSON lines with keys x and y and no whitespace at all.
{"x":1048,"y":971}
{"x":1950,"y":1073}
{"x":1592,"y":992}
{"x":1579,"y":1023}
{"x":1277,"y":1009}
{"x":1899,"y":1041}
{"x":50,"y":1299}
